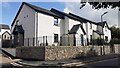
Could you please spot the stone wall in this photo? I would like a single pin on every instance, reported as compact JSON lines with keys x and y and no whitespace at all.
{"x":36,"y":53}
{"x":60,"y":52}
{"x":117,"y":48}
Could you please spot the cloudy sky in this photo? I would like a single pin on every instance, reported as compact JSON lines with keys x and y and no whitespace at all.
{"x":93,"y":14}
{"x":9,"y":10}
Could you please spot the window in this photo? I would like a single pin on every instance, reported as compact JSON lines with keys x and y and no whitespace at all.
{"x":106,"y":38}
{"x":90,"y":38}
{"x":90,"y":25}
{"x":56,"y":21}
{"x":5,"y":37}
{"x":82,"y":40}
{"x":55,"y":38}
{"x":105,"y":28}
{"x":0,"y":30}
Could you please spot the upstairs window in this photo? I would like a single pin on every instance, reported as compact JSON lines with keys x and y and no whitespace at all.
{"x":90,"y":38}
{"x":55,"y":38}
{"x":106,"y":38}
{"x":5,"y":37}
{"x":105,"y":28}
{"x":8,"y":38}
{"x":56,"y":21}
{"x":90,"y":25}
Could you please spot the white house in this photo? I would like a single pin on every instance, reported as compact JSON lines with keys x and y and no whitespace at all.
{"x":71,"y":29}
{"x":95,"y":30}
{"x":37,"y":26}
{"x":5,"y":34}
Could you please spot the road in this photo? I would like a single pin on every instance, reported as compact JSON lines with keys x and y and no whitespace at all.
{"x":109,"y":63}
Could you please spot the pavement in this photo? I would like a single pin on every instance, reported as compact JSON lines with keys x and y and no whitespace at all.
{"x":10,"y":50}
{"x":68,"y":62}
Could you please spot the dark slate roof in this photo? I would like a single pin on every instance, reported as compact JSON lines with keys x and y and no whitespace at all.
{"x":64,"y":14}
{"x":75,"y":28}
{"x":103,"y":24}
{"x":81,"y":18}
{"x":37,"y":9}
{"x":3,"y":26}
{"x":18,"y":29}
{"x":6,"y":32}
{"x":42,"y":10}
{"x":72,"y":16}
{"x":98,"y":32}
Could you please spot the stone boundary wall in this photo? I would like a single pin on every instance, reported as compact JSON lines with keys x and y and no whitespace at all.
{"x":117,"y":48}
{"x":61,"y":52}
{"x":36,"y":53}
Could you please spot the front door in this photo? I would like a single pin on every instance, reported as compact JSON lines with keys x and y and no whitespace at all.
{"x":82,"y":40}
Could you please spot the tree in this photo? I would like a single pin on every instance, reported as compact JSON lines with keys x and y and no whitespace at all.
{"x":115,"y":33}
{"x":99,"y":5}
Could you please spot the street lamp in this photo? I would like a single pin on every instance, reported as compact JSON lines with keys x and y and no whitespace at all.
{"x":103,"y":35}
{"x":102,"y":16}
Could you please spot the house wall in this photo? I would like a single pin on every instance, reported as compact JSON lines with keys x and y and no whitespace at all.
{"x":66,"y":24}
{"x":72,"y":23}
{"x":89,"y":30}
{"x":100,"y":28}
{"x":47,"y":28}
{"x":107,"y":33}
{"x":78,"y":37}
{"x":68,"y":40}
{"x":62,"y":27}
{"x":26,"y":18}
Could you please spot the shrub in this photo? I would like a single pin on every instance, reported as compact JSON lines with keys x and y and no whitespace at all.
{"x":98,"y":41}
{"x":115,"y":41}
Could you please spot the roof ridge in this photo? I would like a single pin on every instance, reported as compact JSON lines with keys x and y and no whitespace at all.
{"x":37,"y":9}
{"x":82,"y":18}
{"x":30,"y":5}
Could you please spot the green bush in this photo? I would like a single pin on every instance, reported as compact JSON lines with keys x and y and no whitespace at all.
{"x":99,"y":41}
{"x":115,"y":41}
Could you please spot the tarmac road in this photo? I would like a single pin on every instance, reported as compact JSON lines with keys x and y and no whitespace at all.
{"x":109,"y":63}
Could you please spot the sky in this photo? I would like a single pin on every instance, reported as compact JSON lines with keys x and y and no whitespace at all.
{"x":8,"y":10}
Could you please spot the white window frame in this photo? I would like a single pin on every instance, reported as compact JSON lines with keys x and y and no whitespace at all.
{"x":56,"y":21}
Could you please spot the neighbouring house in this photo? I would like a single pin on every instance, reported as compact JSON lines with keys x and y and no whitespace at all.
{"x":37,"y":26}
{"x":71,"y":29}
{"x":5,"y":36}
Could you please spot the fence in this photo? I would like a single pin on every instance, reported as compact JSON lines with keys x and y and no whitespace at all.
{"x":7,"y":43}
{"x":54,"y":41}
{"x":39,"y":41}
